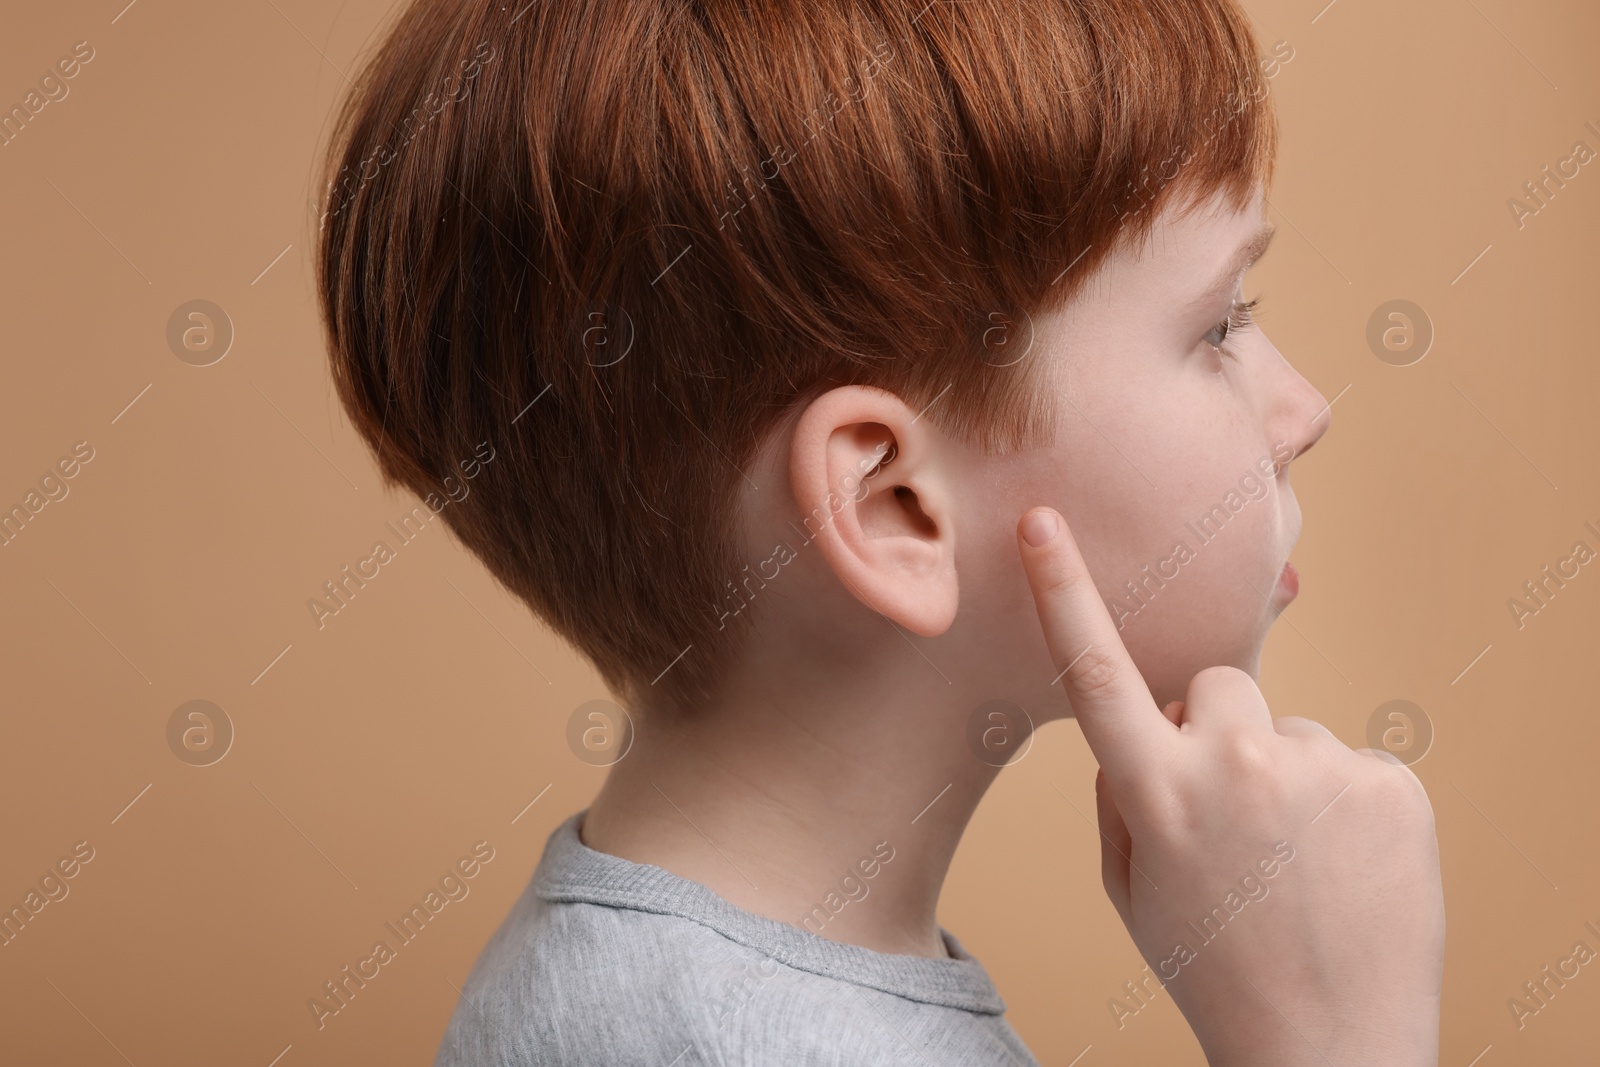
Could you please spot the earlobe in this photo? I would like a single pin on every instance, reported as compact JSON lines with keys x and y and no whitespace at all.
{"x":870,"y":481}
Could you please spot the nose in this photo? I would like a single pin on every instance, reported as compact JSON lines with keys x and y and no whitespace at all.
{"x":1297,"y":413}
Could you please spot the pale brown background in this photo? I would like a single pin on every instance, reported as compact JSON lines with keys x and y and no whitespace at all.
{"x":373,"y":753}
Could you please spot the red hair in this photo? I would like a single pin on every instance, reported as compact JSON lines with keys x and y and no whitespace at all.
{"x":620,"y":239}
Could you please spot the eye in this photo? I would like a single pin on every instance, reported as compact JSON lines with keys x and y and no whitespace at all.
{"x":1240,"y":316}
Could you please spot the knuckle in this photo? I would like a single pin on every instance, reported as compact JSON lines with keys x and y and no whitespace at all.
{"x":1246,"y":755}
{"x":1095,"y":671}
{"x":1394,"y":792}
{"x":1402,"y":788}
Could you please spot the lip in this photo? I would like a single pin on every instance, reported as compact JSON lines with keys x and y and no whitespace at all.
{"x":1288,"y":582}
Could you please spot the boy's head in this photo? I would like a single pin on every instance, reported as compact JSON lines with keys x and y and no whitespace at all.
{"x":778,"y":317}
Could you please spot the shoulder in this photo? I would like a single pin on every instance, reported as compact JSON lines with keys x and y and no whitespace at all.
{"x":603,"y":961}
{"x":584,"y":985}
{"x":576,"y":983}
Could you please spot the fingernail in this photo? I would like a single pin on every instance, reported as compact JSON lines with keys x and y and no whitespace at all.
{"x":1039,"y":527}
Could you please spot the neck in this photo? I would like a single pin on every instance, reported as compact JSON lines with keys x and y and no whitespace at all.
{"x":836,"y":815}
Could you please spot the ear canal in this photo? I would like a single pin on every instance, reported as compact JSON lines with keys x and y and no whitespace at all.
{"x":908,"y":498}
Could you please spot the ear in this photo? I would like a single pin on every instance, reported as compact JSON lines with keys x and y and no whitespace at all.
{"x":872,"y":480}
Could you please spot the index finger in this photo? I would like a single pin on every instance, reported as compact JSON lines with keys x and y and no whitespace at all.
{"x":1119,"y":717}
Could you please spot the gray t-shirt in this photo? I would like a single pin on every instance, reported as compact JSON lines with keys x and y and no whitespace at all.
{"x":604,"y":962}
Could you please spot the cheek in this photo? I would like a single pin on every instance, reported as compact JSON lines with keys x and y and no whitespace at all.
{"x":1214,"y":612}
{"x":1188,"y":563}
{"x":1134,"y":481}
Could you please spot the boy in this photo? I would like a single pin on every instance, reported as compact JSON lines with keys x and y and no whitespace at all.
{"x":779,"y":319}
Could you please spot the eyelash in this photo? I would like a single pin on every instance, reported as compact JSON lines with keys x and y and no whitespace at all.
{"x":1240,"y":316}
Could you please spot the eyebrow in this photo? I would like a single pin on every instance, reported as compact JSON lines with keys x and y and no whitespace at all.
{"x":1252,"y":250}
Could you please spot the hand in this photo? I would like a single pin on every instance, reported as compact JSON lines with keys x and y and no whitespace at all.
{"x":1282,"y":886}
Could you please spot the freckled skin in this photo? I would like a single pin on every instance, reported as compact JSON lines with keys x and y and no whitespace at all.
{"x":1145,"y":397}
